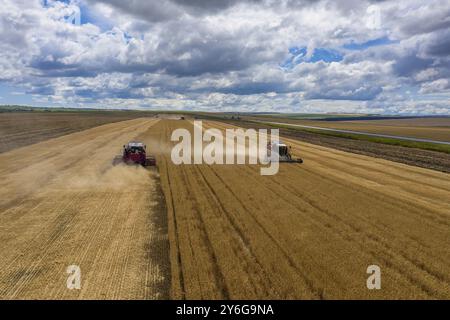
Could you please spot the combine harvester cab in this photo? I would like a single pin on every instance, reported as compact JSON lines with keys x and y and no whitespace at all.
{"x":278,"y":151}
{"x":135,"y":153}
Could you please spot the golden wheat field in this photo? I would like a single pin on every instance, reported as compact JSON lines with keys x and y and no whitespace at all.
{"x":217,"y":231}
{"x":308,"y":232}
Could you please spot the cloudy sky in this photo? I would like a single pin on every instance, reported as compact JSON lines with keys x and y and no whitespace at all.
{"x":228,"y":55}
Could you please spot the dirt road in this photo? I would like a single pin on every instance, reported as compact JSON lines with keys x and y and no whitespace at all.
{"x":62,"y":203}
{"x":309,"y":232}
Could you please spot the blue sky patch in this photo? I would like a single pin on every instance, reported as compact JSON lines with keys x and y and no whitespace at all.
{"x":371,"y":43}
{"x":299,"y":55}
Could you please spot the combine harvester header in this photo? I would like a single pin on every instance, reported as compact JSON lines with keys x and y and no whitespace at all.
{"x":278,"y":151}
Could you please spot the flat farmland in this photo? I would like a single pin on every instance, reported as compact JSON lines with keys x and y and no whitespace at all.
{"x":62,"y":203}
{"x":216,"y":231}
{"x":309,"y":232}
{"x":422,"y":128}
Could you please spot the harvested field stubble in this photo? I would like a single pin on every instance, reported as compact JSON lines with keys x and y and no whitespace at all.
{"x":62,"y":203}
{"x":19,"y":129}
{"x":309,"y":232}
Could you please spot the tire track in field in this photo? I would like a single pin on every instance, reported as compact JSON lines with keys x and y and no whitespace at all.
{"x":178,"y":269}
{"x":251,"y":267}
{"x":306,"y":282}
{"x":177,"y":277}
{"x":207,"y":243}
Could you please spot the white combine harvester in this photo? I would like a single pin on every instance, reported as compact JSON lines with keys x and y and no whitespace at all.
{"x":278,"y":151}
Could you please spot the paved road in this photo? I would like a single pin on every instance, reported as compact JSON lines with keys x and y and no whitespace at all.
{"x":359,"y":133}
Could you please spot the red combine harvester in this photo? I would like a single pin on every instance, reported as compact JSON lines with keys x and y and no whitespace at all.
{"x":135,"y":153}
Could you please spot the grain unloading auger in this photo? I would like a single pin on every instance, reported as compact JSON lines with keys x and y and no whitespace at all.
{"x":135,"y":153}
{"x":278,"y":151}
